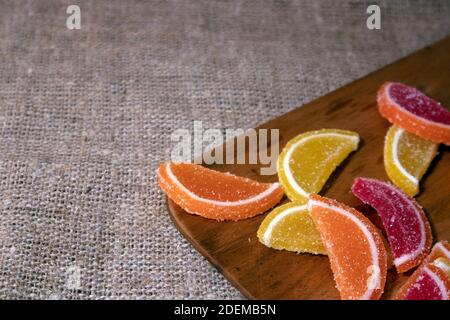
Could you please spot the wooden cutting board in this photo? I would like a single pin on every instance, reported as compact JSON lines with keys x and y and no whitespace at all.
{"x":263,"y":273}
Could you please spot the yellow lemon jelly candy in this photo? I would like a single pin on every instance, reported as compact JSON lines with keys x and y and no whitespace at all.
{"x":290,"y":227}
{"x":308,"y":160}
{"x":406,"y":158}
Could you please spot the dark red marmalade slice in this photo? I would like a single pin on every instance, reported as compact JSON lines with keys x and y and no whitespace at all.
{"x":405,"y":223}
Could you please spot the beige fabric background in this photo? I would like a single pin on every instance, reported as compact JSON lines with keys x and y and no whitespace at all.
{"x":86,"y":117}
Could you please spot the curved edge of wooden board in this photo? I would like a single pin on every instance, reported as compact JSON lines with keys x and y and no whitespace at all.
{"x":172,"y":208}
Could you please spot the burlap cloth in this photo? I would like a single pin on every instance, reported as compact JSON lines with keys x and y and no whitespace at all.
{"x":86,"y":118}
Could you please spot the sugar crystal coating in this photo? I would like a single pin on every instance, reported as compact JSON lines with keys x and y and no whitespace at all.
{"x":429,"y":283}
{"x":355,"y":248}
{"x":308,"y":160}
{"x":413,"y":111}
{"x":216,"y":195}
{"x":406,"y":225}
{"x":290,"y":227}
{"x":406,"y":158}
{"x":418,"y":103}
{"x":440,"y":250}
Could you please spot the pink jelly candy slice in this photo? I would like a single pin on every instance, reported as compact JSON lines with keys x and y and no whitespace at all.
{"x":419,"y":104}
{"x":431,"y":283}
{"x":413,"y":111}
{"x":404,"y":221}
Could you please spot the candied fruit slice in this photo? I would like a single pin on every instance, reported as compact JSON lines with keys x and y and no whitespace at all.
{"x":308,"y":160}
{"x":354,"y":246}
{"x":404,"y":221}
{"x":413,"y":111}
{"x":406,"y":158}
{"x":430,"y":283}
{"x":443,"y":264}
{"x":216,"y":195}
{"x":291,"y":228}
{"x":440,"y":250}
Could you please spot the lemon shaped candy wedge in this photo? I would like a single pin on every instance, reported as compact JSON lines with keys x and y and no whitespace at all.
{"x":290,"y":227}
{"x":308,"y":160}
{"x":407,"y":158}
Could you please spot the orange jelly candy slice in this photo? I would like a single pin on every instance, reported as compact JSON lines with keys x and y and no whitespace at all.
{"x":354,"y":245}
{"x":216,"y":195}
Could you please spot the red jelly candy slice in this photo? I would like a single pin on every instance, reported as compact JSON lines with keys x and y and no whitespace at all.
{"x":415,"y":112}
{"x":431,"y":283}
{"x":419,"y":104}
{"x":404,"y":221}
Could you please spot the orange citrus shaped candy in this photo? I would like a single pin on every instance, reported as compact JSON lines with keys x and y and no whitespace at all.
{"x":216,"y":195}
{"x":291,"y":228}
{"x":308,"y":160}
{"x":355,"y":248}
{"x":413,"y":111}
{"x":406,"y":158}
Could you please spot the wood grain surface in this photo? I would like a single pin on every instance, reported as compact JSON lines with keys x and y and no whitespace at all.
{"x":263,"y":273}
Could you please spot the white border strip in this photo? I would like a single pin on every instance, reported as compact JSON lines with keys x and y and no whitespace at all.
{"x":442,"y":248}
